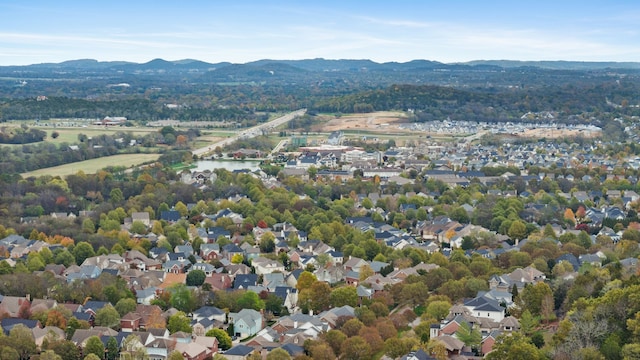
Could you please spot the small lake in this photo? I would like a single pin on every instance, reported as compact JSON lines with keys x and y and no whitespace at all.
{"x":230,"y":165}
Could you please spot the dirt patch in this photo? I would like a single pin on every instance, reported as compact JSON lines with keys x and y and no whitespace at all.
{"x":381,"y":121}
{"x":559,"y":133}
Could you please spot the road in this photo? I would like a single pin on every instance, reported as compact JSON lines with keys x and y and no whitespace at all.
{"x":249,"y":133}
{"x":278,"y":147}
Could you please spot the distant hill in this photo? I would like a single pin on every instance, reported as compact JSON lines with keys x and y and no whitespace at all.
{"x":557,"y":65}
{"x":324,"y":65}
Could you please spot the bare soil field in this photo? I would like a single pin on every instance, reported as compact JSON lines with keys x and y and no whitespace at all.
{"x":559,"y":133}
{"x":381,"y":121}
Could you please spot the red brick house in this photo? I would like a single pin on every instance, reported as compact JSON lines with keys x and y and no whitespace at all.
{"x":130,"y":322}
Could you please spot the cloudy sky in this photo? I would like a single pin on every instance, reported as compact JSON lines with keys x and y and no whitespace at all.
{"x":38,"y":31}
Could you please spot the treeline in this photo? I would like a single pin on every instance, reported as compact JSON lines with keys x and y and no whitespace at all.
{"x":38,"y":156}
{"x":21,"y":135}
{"x":133,"y":109}
{"x":435,"y":103}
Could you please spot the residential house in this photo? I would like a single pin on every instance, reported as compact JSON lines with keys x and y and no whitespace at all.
{"x":246,"y":322}
{"x":193,"y":351}
{"x":12,"y":305}
{"x":130,"y":322}
{"x":263,"y":266}
{"x":209,"y":252}
{"x":239,"y":352}
{"x":243,"y":281}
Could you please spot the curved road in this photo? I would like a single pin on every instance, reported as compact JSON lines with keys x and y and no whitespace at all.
{"x":249,"y":133}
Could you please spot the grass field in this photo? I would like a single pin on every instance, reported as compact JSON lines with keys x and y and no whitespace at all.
{"x":70,"y":135}
{"x":92,"y":166}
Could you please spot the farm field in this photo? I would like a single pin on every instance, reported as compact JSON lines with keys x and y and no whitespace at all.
{"x":92,"y":166}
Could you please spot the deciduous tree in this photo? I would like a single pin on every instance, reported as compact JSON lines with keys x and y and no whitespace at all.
{"x":224,"y":340}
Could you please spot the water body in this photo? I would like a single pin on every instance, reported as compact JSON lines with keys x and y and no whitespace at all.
{"x":230,"y":165}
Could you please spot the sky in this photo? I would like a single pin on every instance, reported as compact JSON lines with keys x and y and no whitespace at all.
{"x":41,"y":31}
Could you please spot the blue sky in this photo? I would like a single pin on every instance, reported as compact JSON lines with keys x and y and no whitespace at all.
{"x":40,"y":31}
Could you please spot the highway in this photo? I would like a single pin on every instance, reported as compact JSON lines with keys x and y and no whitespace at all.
{"x":249,"y":133}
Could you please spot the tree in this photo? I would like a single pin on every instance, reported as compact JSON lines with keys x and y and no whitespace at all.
{"x":179,"y":322}
{"x":92,"y":357}
{"x":196,"y":278}
{"x":66,"y":349}
{"x":532,"y":298}
{"x":82,"y":251}
{"x":278,"y":354}
{"x":305,"y":280}
{"x":528,"y":323}
{"x":56,"y":318}
{"x":182,"y":298}
{"x":237,"y":259}
{"x":352,"y":327}
{"x":112,"y":348}
{"x":9,"y":353}
{"x":94,"y":346}
{"x":138,"y":227}
{"x":631,"y":351}
{"x":224,"y":340}
{"x":396,"y":347}
{"x":437,"y":349}
{"x":320,"y":296}
{"x":569,"y":216}
{"x":125,"y":306}
{"x":107,"y":316}
{"x":438,"y":309}
{"x":345,"y":295}
{"x":355,"y":348}
{"x":335,"y":338}
{"x":21,"y":339}
{"x":175,"y":355}
{"x":133,"y":349}
{"x":267,"y":243}
{"x":514,"y":346}
{"x":65,"y":258}
{"x":321,"y":351}
{"x":469,"y":336}
{"x":517,"y":230}
{"x":250,"y":300}
{"x":116,"y":196}
{"x":155,"y":320}
{"x":49,"y":355}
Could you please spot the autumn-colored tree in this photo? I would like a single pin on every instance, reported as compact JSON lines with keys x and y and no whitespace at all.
{"x":437,"y":349}
{"x":335,"y":338}
{"x":569,"y":216}
{"x":322,"y":351}
{"x":237,"y":259}
{"x":355,"y":348}
{"x":372,"y":337}
{"x":365,"y":272}
{"x":305,"y":280}
{"x":56,"y":318}
{"x":352,"y":327}
{"x":581,"y":214}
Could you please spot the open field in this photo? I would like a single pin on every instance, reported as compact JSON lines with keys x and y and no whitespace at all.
{"x":559,"y":133}
{"x":92,"y":166}
{"x":380,"y":121}
{"x":70,"y":135}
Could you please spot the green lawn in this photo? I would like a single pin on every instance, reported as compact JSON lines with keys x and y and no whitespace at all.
{"x":92,"y":166}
